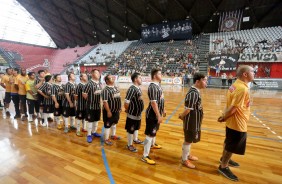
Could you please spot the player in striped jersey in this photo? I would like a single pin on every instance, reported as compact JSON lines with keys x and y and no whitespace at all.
{"x":39,"y":81}
{"x":192,"y":117}
{"x":48,"y":105}
{"x":92,"y":92}
{"x":57,"y":93}
{"x":134,"y":106}
{"x":154,"y":114}
{"x":81,"y":102}
{"x":111,"y":108}
{"x":69,"y":103}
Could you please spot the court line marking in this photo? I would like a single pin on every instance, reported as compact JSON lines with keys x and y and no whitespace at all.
{"x":174,"y":111}
{"x":223,"y":131}
{"x":106,"y":164}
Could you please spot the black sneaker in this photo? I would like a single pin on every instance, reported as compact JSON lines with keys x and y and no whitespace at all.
{"x":227,"y":173}
{"x":231,"y":163}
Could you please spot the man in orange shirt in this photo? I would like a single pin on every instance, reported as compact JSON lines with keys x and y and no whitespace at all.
{"x":20,"y":83}
{"x":236,"y":116}
{"x":6,"y":83}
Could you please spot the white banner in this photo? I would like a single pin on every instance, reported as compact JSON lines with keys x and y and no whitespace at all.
{"x":261,"y":57}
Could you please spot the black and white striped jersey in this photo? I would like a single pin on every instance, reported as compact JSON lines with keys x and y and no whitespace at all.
{"x":81,"y":102}
{"x":46,"y":89}
{"x":193,"y":120}
{"x":93,"y":89}
{"x":58,"y":91}
{"x":155,"y":93}
{"x":111,"y":94}
{"x":69,"y":88}
{"x":136,"y":104}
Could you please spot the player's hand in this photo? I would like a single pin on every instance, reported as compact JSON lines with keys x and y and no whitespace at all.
{"x":220,"y":119}
{"x":164,"y":114}
{"x":109,"y":114}
{"x":57,"y":105}
{"x":160,"y":119}
{"x":180,"y":116}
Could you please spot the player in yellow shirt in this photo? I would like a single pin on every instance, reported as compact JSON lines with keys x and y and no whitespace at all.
{"x":2,"y":92}
{"x":236,"y":116}
{"x":14,"y":92}
{"x":6,"y":83}
{"x":20,"y":82}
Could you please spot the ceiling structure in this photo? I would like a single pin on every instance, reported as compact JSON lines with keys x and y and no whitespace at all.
{"x":72,"y":23}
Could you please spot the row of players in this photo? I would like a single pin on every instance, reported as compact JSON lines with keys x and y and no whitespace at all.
{"x":83,"y":102}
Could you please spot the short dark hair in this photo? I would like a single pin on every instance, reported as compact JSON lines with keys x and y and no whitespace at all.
{"x":154,"y":71}
{"x":81,"y":75}
{"x":8,"y":69}
{"x":198,"y":76}
{"x":56,"y":75}
{"x":70,"y":75}
{"x":16,"y":69}
{"x":30,"y":73}
{"x":40,"y":71}
{"x":48,"y":78}
{"x":134,"y":76}
{"x":107,"y":78}
{"x":93,"y":70}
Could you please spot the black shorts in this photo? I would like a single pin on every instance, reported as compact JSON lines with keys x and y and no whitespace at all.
{"x":67,"y":111}
{"x":93,"y":115}
{"x":7,"y":97}
{"x":22,"y":99}
{"x":152,"y":126}
{"x":235,"y":141}
{"x":40,"y":100}
{"x":108,"y":122}
{"x":58,"y":111}
{"x":131,"y":125}
{"x":48,"y":108}
{"x":192,"y":136}
{"x":80,"y":114}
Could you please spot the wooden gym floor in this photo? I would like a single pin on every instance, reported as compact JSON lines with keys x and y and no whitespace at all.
{"x":34,"y":154}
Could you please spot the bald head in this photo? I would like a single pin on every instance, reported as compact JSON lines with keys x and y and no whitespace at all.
{"x":243,"y":69}
{"x":245,"y":73}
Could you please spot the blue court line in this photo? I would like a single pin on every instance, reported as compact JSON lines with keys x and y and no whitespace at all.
{"x":112,"y":181}
{"x":173,"y":112}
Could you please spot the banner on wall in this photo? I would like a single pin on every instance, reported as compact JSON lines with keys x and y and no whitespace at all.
{"x":179,"y":30}
{"x":261,"y":57}
{"x":225,"y":62}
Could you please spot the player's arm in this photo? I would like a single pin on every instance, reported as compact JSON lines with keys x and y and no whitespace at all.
{"x":156,"y":110}
{"x":76,"y":93}
{"x":40,"y":91}
{"x":105,"y":98}
{"x":128,"y":97}
{"x":37,"y":86}
{"x":227,"y":113}
{"x":238,"y":101}
{"x":190,"y":100}
{"x":67,"y":95}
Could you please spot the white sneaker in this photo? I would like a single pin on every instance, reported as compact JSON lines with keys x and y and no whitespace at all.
{"x":43,"y":124}
{"x":30,"y":118}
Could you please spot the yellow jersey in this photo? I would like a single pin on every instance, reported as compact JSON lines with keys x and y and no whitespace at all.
{"x":238,"y":95}
{"x":7,"y":79}
{"x":20,"y":81}
{"x":13,"y":81}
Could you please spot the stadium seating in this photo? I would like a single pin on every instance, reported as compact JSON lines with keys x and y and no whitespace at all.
{"x":251,"y":37}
